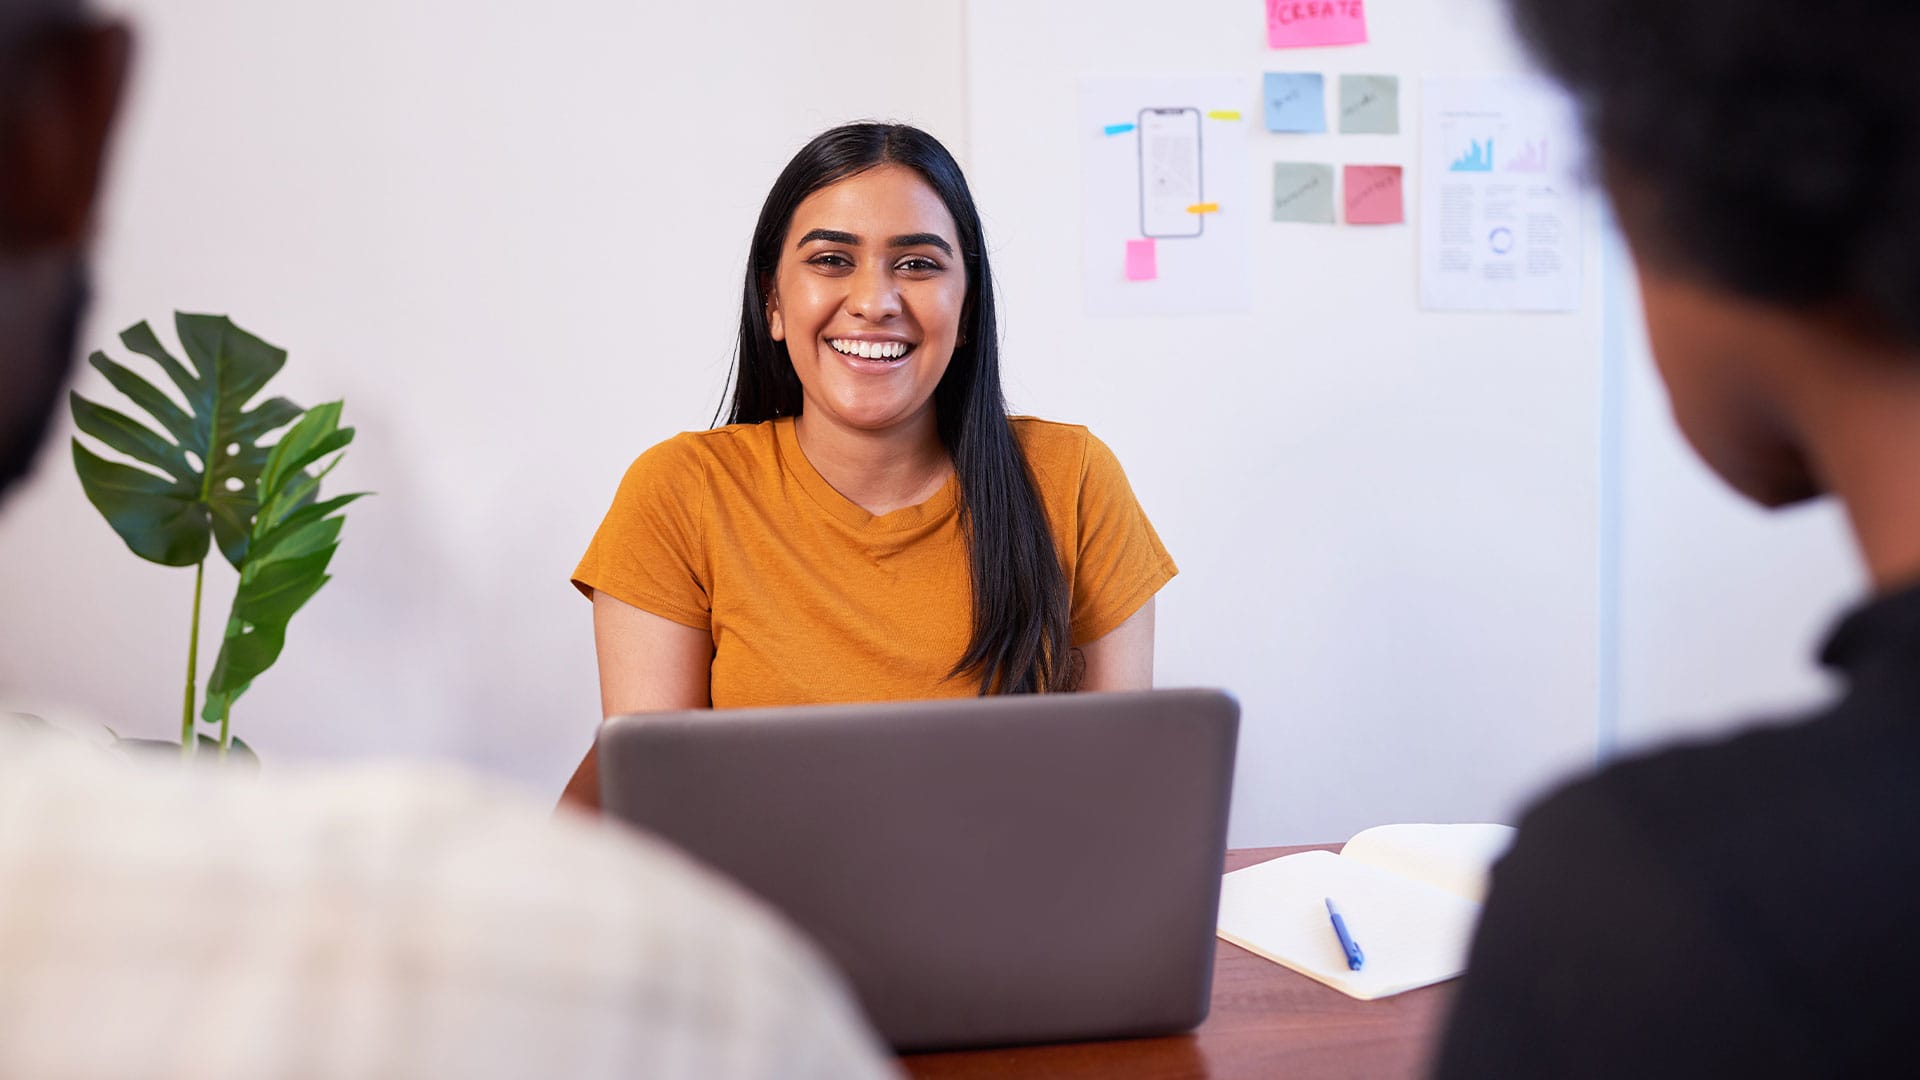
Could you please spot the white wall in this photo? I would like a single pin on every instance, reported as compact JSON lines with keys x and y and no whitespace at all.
{"x":510,"y":236}
{"x":1441,"y":558}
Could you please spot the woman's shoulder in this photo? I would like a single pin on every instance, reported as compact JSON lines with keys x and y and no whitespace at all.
{"x":1050,"y":441}
{"x":1055,"y":447}
{"x":687,"y":465}
{"x":723,"y":446}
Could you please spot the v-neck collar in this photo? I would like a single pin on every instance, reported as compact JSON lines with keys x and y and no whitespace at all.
{"x":794,"y":461}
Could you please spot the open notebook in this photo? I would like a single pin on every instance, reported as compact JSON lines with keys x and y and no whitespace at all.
{"x":1409,"y":894}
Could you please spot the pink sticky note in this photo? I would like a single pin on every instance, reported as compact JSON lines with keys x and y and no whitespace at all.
{"x":1373,"y":195}
{"x":1294,"y":23}
{"x":1141,"y":264}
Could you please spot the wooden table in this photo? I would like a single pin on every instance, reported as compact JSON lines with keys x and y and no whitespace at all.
{"x":1266,"y":1021}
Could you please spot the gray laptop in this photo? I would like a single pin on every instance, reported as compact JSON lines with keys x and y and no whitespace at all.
{"x":985,"y":871}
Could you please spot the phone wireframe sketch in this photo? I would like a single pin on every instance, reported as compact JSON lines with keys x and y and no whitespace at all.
{"x":1170,"y":177}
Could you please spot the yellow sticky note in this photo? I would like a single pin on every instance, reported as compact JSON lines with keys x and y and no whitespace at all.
{"x":1204,"y":208}
{"x":1224,"y":114}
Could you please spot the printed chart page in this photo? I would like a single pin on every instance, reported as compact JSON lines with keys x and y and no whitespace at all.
{"x":1501,"y":199}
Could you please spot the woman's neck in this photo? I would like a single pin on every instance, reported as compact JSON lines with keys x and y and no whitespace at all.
{"x":878,"y":471}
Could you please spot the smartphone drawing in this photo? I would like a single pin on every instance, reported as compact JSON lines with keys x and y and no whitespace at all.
{"x":1170,"y":179}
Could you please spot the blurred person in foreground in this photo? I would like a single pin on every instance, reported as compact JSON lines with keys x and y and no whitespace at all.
{"x":1745,"y":908}
{"x":164,"y":921}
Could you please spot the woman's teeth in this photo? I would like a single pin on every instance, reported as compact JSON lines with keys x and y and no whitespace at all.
{"x":869,"y":350}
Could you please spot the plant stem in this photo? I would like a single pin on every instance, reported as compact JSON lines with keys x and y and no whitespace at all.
{"x":226,"y":707}
{"x":193,"y":659}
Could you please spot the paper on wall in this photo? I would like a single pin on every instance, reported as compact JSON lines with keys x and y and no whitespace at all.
{"x":1178,"y":176}
{"x":1373,"y":195}
{"x":1293,"y":24}
{"x":1501,"y":203}
{"x":1295,"y":101}
{"x":1303,"y":191}
{"x":1369,"y":105}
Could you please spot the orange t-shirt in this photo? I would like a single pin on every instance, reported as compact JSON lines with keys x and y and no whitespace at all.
{"x":811,"y":599}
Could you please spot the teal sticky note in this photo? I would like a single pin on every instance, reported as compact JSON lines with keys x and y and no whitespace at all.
{"x":1303,"y":191}
{"x":1369,"y":105}
{"x":1296,"y":101}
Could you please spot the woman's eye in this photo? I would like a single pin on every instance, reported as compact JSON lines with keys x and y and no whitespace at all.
{"x":918,"y":264}
{"x":831,"y":261}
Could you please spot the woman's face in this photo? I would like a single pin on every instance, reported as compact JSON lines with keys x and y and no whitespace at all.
{"x":867,"y":297}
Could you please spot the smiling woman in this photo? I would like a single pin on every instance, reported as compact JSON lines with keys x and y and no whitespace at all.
{"x":869,"y":524}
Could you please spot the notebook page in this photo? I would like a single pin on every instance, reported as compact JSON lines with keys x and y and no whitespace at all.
{"x":1456,"y":858}
{"x":1412,"y":933}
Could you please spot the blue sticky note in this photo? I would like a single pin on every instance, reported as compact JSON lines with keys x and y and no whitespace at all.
{"x":1296,"y":101}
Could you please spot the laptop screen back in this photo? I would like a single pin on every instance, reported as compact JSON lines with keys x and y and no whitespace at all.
{"x":985,"y":871}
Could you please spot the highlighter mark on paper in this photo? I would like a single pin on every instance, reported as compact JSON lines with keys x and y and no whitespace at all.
{"x":1224,"y":114}
{"x":1369,"y":105}
{"x":1141,"y":261}
{"x":1295,"y":101}
{"x":1303,"y":191}
{"x":1204,"y":208}
{"x":1118,"y":129}
{"x":1373,"y":195}
{"x":1293,"y":24}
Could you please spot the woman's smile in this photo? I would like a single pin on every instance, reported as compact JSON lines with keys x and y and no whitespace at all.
{"x":874,"y":354}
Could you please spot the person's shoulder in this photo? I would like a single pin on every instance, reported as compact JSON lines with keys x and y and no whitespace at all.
{"x":721,"y":444}
{"x":1036,"y":434}
{"x":1769,"y":770}
{"x":1680,"y":795}
{"x":1758,"y":815}
{"x":1053,"y":444}
{"x":1715,"y":851}
{"x":692,"y":456}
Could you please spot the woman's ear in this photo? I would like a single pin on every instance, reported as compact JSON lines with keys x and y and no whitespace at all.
{"x":776,"y":327}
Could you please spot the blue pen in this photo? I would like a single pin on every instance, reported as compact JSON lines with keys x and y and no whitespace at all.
{"x":1355,"y":957}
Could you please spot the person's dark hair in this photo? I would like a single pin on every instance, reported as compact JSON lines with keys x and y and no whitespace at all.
{"x":1771,"y":147}
{"x":1020,"y":610}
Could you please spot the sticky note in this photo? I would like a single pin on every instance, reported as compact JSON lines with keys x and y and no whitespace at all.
{"x":1224,"y":114}
{"x":1140,"y":261}
{"x":1303,"y":191}
{"x":1369,"y":105}
{"x":1292,"y":24}
{"x":1119,"y":129}
{"x":1373,"y":195}
{"x":1295,"y":101}
{"x":1204,"y":208}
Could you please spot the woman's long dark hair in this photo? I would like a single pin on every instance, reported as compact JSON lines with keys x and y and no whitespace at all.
{"x":1020,"y":608}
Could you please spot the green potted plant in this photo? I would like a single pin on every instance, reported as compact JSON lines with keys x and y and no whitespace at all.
{"x":202,"y":478}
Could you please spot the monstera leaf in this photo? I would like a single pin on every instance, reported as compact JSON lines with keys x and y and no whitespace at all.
{"x":291,"y":541}
{"x":204,"y":478}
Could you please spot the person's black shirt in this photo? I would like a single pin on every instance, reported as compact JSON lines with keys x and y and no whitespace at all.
{"x":1746,"y":908}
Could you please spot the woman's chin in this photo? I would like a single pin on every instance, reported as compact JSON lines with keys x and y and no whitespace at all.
{"x":877,"y":417}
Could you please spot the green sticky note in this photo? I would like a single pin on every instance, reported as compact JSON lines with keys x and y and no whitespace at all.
{"x":1303,"y":191}
{"x":1369,"y":105}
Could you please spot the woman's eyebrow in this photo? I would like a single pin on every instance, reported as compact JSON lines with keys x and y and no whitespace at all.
{"x":830,"y":236}
{"x":919,"y":238}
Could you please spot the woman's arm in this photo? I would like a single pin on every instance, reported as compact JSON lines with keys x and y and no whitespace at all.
{"x":647,"y":664}
{"x":1123,"y":659}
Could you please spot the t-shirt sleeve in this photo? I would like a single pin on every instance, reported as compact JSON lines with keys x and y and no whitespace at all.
{"x":650,"y":549}
{"x":1121,"y":562}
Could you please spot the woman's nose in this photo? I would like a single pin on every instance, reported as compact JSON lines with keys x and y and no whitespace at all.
{"x":873,"y":294}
